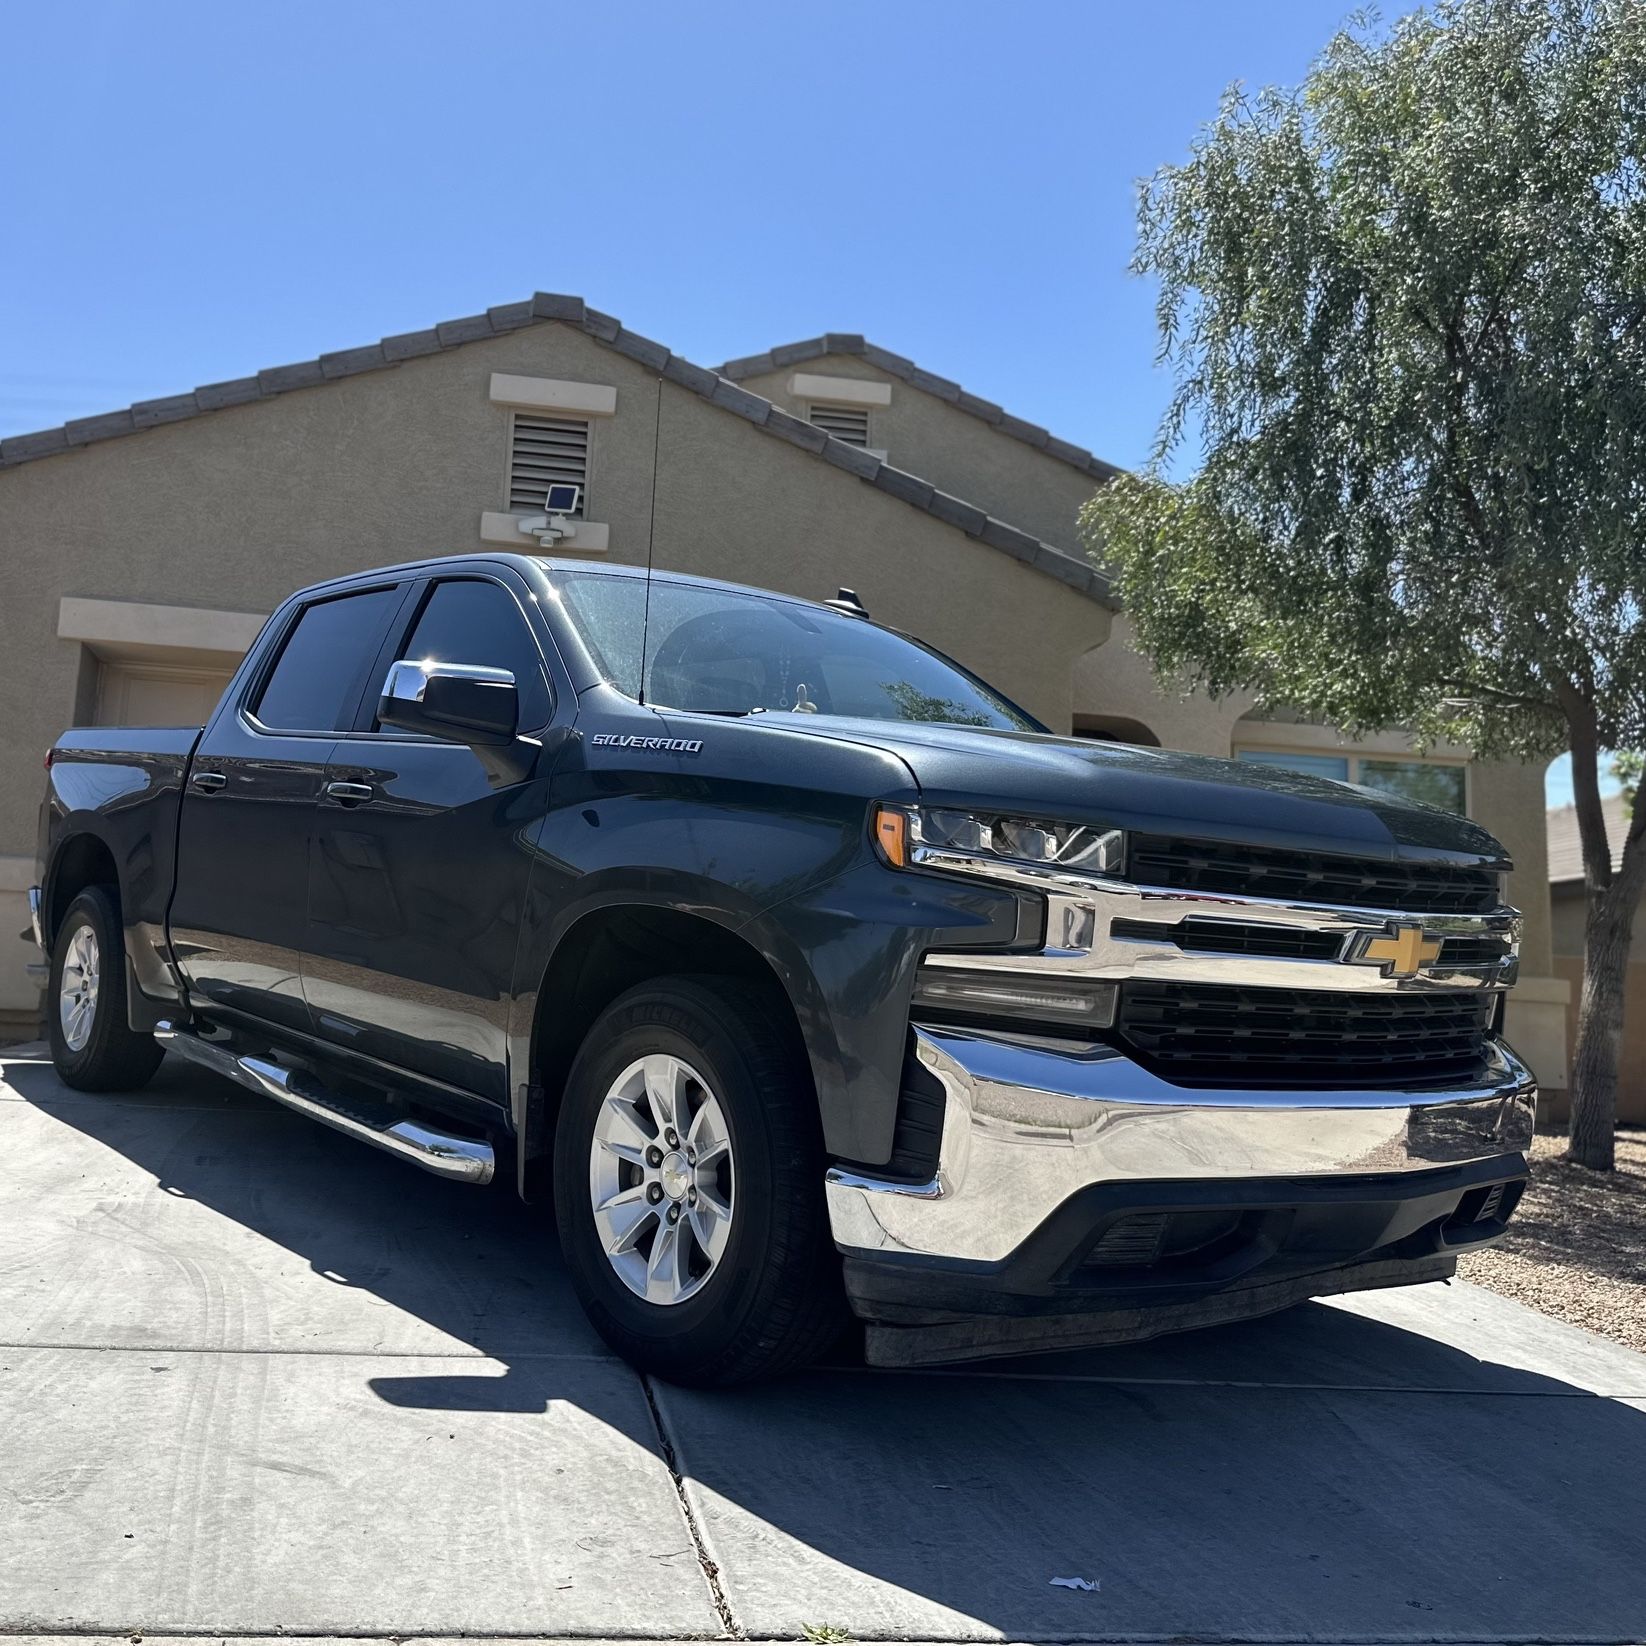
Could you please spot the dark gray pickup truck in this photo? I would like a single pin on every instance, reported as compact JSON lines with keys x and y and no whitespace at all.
{"x":799,"y":967}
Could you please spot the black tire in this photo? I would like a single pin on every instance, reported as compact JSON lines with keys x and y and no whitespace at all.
{"x":112,"y":1057}
{"x":773,"y":1300}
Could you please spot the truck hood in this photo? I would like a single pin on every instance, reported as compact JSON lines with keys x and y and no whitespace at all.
{"x":1159,"y":791}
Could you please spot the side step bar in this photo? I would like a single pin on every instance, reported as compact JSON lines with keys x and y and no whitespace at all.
{"x":464,"y":1159}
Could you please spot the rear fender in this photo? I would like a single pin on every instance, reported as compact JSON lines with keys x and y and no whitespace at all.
{"x":125,"y":799}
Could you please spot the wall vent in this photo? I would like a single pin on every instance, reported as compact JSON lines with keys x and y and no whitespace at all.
{"x":848,"y":423}
{"x":542,"y":451}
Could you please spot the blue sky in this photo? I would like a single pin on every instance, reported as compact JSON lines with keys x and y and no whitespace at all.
{"x":194,"y":192}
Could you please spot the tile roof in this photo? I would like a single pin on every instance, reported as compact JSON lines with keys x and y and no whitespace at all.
{"x":854,"y":343}
{"x":1566,"y":848}
{"x":715,"y":387}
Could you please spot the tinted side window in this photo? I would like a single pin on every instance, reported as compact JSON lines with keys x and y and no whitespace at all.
{"x":323,"y":664}
{"x":474,"y":622}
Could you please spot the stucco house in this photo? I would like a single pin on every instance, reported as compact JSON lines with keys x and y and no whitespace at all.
{"x":139,"y":550}
{"x":1568,"y":909}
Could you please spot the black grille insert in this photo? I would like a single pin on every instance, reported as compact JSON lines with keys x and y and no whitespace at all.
{"x":1486,"y":950}
{"x":1311,"y":877}
{"x":1262,"y":942}
{"x":1244,"y":1036}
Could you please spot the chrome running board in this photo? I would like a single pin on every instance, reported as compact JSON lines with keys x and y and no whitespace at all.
{"x":463,"y":1159}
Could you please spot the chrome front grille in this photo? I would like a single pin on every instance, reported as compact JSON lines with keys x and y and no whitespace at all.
{"x":1408,"y":887}
{"x":1318,"y":971}
{"x":1268,"y":940}
{"x":1230,"y":1035}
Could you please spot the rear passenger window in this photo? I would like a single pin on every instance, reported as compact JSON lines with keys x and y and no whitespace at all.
{"x":468,"y":621}
{"x":323,"y":664}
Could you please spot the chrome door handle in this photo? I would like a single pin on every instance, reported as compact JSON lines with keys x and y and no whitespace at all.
{"x":208,"y":782}
{"x":350,"y":794}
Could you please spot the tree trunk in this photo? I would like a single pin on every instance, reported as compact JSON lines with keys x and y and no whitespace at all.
{"x":1599,"y":1030}
{"x":1607,"y":931}
{"x":1613,"y":897}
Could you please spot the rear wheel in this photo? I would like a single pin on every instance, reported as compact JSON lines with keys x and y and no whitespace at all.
{"x":92,"y":1047}
{"x":689,"y":1186}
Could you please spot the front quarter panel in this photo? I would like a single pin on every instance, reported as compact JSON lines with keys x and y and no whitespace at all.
{"x":764,"y":832}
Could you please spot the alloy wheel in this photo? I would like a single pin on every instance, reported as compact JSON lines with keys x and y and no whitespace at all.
{"x":77,"y":989}
{"x":661,"y":1179}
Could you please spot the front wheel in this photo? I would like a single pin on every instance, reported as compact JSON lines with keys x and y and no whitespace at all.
{"x":92,"y":1047}
{"x":688,"y":1172}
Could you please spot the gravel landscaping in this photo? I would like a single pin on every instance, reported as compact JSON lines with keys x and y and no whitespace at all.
{"x":1577,"y":1247}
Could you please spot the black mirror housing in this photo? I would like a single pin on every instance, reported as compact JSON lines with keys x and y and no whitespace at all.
{"x":457,"y":702}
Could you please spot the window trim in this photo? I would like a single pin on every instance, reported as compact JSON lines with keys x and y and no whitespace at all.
{"x":258,"y":679}
{"x":1354,"y":757}
{"x":400,"y":630}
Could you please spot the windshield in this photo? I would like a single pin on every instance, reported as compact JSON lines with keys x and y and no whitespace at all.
{"x":720,"y":652}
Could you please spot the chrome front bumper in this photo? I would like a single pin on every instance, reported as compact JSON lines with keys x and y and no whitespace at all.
{"x":1029,"y":1123}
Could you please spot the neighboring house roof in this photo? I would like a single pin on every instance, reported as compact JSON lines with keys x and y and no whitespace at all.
{"x":854,"y":343}
{"x":1565,"y":846}
{"x":717,"y":389}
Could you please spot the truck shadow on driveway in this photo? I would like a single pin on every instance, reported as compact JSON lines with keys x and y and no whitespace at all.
{"x":1326,"y":1474}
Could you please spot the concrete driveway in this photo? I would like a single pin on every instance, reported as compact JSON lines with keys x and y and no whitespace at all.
{"x":256,"y":1379}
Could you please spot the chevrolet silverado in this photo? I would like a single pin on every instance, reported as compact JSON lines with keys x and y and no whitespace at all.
{"x":801,"y":971}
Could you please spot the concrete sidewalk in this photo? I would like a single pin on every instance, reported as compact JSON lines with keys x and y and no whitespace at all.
{"x":256,"y":1379}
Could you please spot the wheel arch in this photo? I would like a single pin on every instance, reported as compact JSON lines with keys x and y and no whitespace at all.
{"x":602,"y":954}
{"x":82,"y":859}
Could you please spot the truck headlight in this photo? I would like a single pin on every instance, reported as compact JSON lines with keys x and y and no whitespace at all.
{"x":971,"y":842}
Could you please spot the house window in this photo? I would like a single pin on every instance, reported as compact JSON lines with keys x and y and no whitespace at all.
{"x":1440,"y":783}
{"x":545,"y":451}
{"x":848,"y":423}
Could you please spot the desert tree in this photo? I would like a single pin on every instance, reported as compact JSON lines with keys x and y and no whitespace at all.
{"x":1401,"y":480}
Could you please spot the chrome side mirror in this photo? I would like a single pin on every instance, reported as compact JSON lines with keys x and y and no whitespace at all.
{"x":460,"y":702}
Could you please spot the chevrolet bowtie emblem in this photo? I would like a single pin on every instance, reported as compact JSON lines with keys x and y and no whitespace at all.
{"x":1402,"y":951}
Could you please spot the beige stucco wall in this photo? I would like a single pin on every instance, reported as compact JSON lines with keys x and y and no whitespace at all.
{"x":1508,"y":798}
{"x":1631,"y":1073}
{"x":1117,"y":682}
{"x":957,"y":452}
{"x":235,"y":509}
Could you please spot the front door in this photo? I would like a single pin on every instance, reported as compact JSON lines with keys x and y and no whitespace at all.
{"x":237,"y":915}
{"x":421,"y":856}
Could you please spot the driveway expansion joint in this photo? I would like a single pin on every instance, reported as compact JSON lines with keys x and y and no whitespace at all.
{"x":711,"y":1571}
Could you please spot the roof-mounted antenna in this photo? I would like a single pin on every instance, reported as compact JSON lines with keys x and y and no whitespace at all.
{"x":846,"y":601}
{"x":651,"y":542}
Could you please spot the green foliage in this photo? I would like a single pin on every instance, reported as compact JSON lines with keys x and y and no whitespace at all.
{"x":824,"y":1634}
{"x":914,"y":704}
{"x":1405,"y":311}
